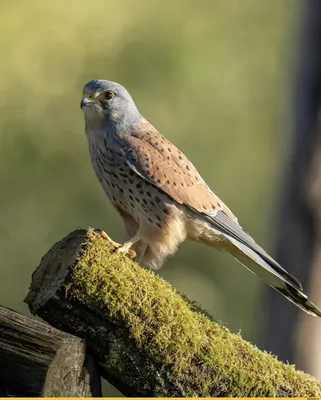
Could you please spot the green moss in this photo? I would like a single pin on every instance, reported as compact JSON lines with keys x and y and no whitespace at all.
{"x":171,"y":332}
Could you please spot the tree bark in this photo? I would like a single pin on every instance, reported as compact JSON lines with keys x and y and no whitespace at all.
{"x":38,"y":360}
{"x":147,"y":338}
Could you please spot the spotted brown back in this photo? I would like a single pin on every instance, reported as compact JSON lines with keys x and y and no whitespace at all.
{"x":157,"y":160}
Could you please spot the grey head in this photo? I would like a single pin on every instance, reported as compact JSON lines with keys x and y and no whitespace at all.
{"x":108,"y":104}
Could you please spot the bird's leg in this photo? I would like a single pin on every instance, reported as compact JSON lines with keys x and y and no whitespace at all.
{"x":140,"y":251}
{"x":104,"y":235}
{"x":126,"y":247}
{"x":118,"y":246}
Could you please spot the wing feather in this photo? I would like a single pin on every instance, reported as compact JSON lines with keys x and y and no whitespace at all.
{"x":162,"y":164}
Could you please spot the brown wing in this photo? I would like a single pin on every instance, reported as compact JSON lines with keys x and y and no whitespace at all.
{"x":156,"y":159}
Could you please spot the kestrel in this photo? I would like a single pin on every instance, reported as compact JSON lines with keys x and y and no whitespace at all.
{"x":160,"y":195}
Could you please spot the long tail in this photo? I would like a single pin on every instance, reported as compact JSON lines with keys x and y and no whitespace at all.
{"x":242,"y":246}
{"x":257,"y":265}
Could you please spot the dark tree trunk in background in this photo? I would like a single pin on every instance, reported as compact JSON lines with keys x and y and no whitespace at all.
{"x":297,"y":231}
{"x":307,"y":345}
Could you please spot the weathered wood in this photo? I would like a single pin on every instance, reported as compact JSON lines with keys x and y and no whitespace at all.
{"x":149,"y":340}
{"x":39,"y":360}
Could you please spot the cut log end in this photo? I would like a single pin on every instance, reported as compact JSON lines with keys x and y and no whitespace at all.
{"x":39,"y":360}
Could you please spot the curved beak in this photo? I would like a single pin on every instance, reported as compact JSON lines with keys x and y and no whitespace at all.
{"x":85,"y":102}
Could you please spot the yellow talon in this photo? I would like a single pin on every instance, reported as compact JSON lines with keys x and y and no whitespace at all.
{"x":124,"y":249}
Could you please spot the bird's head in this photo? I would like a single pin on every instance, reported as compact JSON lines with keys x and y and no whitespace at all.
{"x":110,"y":103}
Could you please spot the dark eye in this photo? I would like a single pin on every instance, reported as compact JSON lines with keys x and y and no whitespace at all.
{"x":108,"y":95}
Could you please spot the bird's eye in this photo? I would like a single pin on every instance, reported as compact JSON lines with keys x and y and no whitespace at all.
{"x":108,"y":95}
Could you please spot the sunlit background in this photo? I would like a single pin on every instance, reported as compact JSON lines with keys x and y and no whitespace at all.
{"x":215,"y":77}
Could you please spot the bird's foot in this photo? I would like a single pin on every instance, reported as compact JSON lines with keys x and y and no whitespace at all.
{"x":119,"y":248}
{"x":125,"y":249}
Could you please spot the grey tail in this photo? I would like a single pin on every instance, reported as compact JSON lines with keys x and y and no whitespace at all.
{"x":257,"y":265}
{"x":299,"y":299}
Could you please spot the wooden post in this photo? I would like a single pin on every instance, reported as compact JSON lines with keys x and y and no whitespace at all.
{"x":39,"y":360}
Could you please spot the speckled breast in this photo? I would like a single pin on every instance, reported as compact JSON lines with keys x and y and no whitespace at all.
{"x":126,"y":190}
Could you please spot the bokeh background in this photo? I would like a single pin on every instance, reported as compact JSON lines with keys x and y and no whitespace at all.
{"x":215,"y":77}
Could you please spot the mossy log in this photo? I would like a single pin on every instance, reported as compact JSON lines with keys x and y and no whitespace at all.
{"x":147,"y":338}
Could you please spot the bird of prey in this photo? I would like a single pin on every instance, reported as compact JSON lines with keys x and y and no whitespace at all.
{"x":160,"y":195}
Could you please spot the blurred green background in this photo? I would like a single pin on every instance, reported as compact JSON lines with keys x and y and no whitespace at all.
{"x":215,"y":77}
